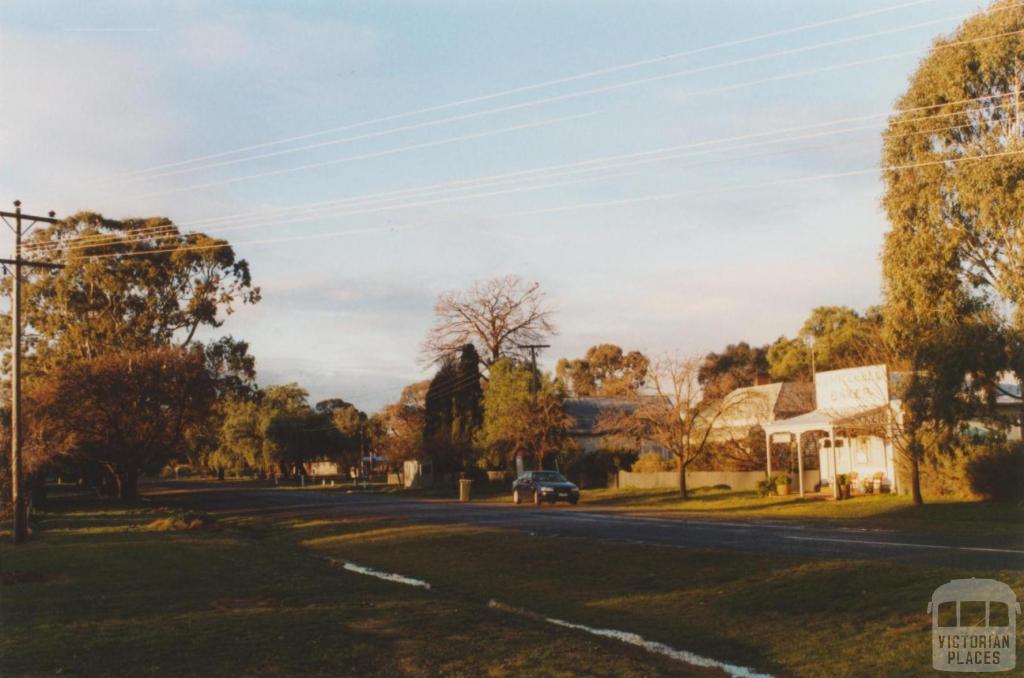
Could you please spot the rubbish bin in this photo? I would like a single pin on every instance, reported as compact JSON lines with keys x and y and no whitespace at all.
{"x":464,"y":484}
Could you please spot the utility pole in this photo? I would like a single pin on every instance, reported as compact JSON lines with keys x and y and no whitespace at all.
{"x":534,"y":388}
{"x":17,"y":501}
{"x":535,"y":382}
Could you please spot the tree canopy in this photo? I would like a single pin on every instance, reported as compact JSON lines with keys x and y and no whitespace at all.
{"x":520,"y":422}
{"x":604,"y":370}
{"x":737,"y":366}
{"x":956,"y":157}
{"x":839,"y":336}
{"x":125,"y":412}
{"x":119,"y":300}
{"x":497,"y":316}
{"x":677,"y":416}
{"x":953,"y":261}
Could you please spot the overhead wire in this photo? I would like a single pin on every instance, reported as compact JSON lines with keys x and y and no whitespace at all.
{"x":538,"y":102}
{"x":540,"y":85}
{"x":696,"y":93}
{"x":662,"y":196}
{"x":96,"y":241}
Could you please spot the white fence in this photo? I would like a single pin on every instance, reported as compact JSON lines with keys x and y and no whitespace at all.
{"x":736,"y":480}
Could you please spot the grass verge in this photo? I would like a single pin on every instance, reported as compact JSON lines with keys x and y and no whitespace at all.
{"x":783,"y":615}
{"x":104,"y":590}
{"x":881,"y":511}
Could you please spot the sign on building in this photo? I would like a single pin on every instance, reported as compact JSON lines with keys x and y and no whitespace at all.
{"x":855,"y":388}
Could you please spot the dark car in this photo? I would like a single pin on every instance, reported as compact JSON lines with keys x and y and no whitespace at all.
{"x":540,"y":486}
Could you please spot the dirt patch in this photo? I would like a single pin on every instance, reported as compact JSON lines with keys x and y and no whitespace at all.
{"x":231,"y":604}
{"x":15,"y":577}
{"x":184,"y":521}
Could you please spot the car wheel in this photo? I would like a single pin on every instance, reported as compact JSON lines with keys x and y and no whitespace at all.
{"x":536,"y":498}
{"x":516,"y":499}
{"x":574,"y":501}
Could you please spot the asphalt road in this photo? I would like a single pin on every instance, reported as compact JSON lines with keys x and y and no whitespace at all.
{"x":776,"y":537}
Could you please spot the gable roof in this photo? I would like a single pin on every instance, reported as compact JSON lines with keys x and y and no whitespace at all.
{"x":586,"y":411}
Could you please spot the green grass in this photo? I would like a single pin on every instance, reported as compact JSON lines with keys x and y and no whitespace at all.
{"x":884,"y":511}
{"x":98,"y":593}
{"x":788,"y":616}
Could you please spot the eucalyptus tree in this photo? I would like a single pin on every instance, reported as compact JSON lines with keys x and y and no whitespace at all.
{"x":604,"y":370}
{"x":954,"y":194}
{"x":132,"y":284}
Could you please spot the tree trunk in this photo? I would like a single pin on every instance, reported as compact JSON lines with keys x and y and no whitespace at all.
{"x":220,"y":474}
{"x":681,"y":469}
{"x":127,"y":484}
{"x":915,"y":473}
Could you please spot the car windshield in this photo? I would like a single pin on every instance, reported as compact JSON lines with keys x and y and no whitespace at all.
{"x":549,"y":477}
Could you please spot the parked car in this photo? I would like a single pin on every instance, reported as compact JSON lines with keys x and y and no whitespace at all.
{"x":540,"y":486}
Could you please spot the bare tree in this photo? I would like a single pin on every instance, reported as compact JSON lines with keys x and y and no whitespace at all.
{"x":676,"y":415}
{"x":495,"y":315}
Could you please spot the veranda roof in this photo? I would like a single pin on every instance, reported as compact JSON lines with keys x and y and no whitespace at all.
{"x":872,"y":419}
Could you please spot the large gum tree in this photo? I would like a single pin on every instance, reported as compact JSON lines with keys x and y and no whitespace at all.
{"x":954,"y":194}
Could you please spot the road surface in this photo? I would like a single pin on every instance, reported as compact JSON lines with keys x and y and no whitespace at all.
{"x":752,"y":536}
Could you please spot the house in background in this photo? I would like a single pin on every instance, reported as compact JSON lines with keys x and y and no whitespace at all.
{"x":587,"y":413}
{"x":853,"y":421}
{"x":1010,"y":407}
{"x":738,"y":433}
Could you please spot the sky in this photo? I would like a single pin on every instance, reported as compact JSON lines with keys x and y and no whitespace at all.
{"x":141,"y":109}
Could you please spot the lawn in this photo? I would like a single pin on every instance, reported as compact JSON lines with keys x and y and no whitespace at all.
{"x":96,"y":592}
{"x":885,"y":511}
{"x":783,"y":615}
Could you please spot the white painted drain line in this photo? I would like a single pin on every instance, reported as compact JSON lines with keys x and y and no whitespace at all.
{"x":622,"y":636}
{"x":651,"y":646}
{"x":380,"y":574}
{"x":662,"y":649}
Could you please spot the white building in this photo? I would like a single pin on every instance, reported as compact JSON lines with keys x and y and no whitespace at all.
{"x":854,"y":416}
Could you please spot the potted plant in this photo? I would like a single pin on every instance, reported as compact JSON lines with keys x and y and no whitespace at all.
{"x":782,"y":485}
{"x":842,"y":486}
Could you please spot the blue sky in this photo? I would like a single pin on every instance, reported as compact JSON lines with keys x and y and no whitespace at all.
{"x":97,"y":91}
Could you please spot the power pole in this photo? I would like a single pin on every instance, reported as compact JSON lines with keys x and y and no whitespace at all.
{"x":17,"y":501}
{"x":535,"y":382}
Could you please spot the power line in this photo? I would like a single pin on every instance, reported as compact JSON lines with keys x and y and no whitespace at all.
{"x":713,"y":90}
{"x":170,"y":231}
{"x":662,"y":196}
{"x":538,"y":102}
{"x":779,"y":182}
{"x":376,"y":154}
{"x":540,"y":85}
{"x":245,"y":215}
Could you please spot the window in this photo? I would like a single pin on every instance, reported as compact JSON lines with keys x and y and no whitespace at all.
{"x":863,"y":444}
{"x":972,"y":613}
{"x":998,"y":614}
{"x":947,"y":614}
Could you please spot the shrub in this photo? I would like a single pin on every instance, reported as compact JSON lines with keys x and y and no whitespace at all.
{"x":999,"y":475}
{"x":179,"y":521}
{"x":652,"y":462}
{"x":765,"y":487}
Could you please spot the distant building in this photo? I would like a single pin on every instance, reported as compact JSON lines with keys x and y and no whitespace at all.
{"x":853,"y":421}
{"x":587,"y":413}
{"x":752,"y":407}
{"x":738,"y":432}
{"x":1010,"y":406}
